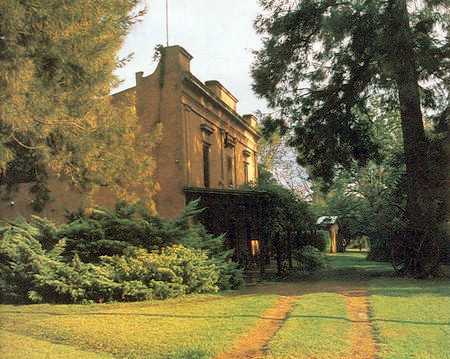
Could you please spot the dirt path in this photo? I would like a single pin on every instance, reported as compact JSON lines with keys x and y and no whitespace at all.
{"x":251,"y":345}
{"x":362,"y":337}
{"x":356,"y":299}
{"x":347,"y":275}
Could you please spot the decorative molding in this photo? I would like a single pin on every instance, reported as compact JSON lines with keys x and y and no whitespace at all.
{"x":246,"y":153}
{"x":207,"y":129}
{"x":230,"y":141}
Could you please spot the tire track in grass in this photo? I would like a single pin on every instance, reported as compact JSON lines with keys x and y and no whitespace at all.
{"x":252,"y":344}
{"x":362,"y":334}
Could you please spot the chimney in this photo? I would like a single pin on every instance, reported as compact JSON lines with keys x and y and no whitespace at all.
{"x":250,"y":120}
{"x":177,"y":59}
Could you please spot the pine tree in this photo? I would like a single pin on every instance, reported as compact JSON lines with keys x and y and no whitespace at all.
{"x":322,"y":61}
{"x":57,"y":63}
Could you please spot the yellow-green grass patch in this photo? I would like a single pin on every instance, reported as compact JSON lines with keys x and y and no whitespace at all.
{"x":13,"y":346}
{"x":318,"y":327}
{"x":196,"y":327}
{"x":411,"y":318}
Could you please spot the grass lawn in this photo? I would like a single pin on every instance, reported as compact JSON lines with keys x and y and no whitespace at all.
{"x":13,"y":346}
{"x":411,"y":317}
{"x":318,"y":327}
{"x":199,"y":326}
{"x":355,"y":263}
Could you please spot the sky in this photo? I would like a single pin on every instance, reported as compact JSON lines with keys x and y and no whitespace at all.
{"x":219,"y":34}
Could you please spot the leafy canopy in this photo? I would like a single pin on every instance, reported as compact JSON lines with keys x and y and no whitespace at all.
{"x":57,"y":60}
{"x":321,"y":62}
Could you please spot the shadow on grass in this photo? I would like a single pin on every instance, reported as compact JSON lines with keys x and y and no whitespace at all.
{"x":165,"y":316}
{"x":180,"y":316}
{"x":372,"y":320}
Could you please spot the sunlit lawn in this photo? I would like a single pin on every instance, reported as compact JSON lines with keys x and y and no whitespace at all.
{"x":14,"y":346}
{"x":318,"y":327}
{"x":195,"y":327}
{"x":411,"y":318}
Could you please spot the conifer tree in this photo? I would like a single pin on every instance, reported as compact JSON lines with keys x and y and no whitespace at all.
{"x":57,"y":63}
{"x":321,"y":62}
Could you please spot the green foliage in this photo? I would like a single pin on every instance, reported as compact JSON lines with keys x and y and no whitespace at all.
{"x":320,"y":65}
{"x":230,"y":274}
{"x":322,"y":61}
{"x":318,"y":239}
{"x":28,"y":272}
{"x":287,"y":218}
{"x":285,"y":212}
{"x":321,"y":241}
{"x":121,"y":255}
{"x":309,"y":259}
{"x":110,"y":232}
{"x":371,"y":200}
{"x":57,"y":117}
{"x":174,"y":271}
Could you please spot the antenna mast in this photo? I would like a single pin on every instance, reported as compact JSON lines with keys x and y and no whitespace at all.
{"x":167,"y":22}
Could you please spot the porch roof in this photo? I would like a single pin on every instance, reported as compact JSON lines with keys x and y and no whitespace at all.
{"x":226,"y":192}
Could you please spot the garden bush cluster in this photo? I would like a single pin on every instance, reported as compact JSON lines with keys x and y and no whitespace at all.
{"x":309,"y":259}
{"x":121,"y":255}
{"x":319,"y":239}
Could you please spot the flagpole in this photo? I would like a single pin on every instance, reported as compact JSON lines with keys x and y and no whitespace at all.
{"x":167,"y":22}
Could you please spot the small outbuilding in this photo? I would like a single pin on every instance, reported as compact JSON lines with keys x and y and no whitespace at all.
{"x":330,"y":223}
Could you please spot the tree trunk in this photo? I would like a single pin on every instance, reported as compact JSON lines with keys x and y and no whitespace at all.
{"x":277,"y":244}
{"x":289,"y":238}
{"x":403,"y":62}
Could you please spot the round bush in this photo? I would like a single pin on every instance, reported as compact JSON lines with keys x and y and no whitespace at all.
{"x":310,"y":258}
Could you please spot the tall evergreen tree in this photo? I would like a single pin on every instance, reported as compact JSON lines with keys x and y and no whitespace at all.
{"x":57,"y":118}
{"x":320,"y":63}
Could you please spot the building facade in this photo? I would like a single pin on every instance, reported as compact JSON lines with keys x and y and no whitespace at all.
{"x":207,"y":151}
{"x":205,"y":143}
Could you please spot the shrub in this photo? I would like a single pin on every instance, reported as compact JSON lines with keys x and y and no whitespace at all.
{"x":30,"y":273}
{"x":22,"y":258}
{"x":230,"y":275}
{"x":309,"y":258}
{"x":124,"y":255}
{"x":319,"y":239}
{"x":173,"y":271}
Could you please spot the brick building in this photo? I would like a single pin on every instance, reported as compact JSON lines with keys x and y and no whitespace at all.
{"x":207,"y":151}
{"x":205,"y":143}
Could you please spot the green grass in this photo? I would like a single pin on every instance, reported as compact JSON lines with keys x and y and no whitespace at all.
{"x":13,"y":346}
{"x":193,"y":327}
{"x":411,"y":318}
{"x":355,"y":261}
{"x":318,"y":327}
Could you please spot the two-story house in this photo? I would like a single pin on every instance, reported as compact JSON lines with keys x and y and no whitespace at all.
{"x":207,"y":151}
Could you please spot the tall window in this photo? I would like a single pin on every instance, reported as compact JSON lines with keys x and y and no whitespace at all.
{"x":206,"y":180}
{"x":245,"y":172}
{"x":230,"y":171}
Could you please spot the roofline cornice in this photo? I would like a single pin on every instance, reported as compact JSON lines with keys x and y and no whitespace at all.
{"x":190,"y":78}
